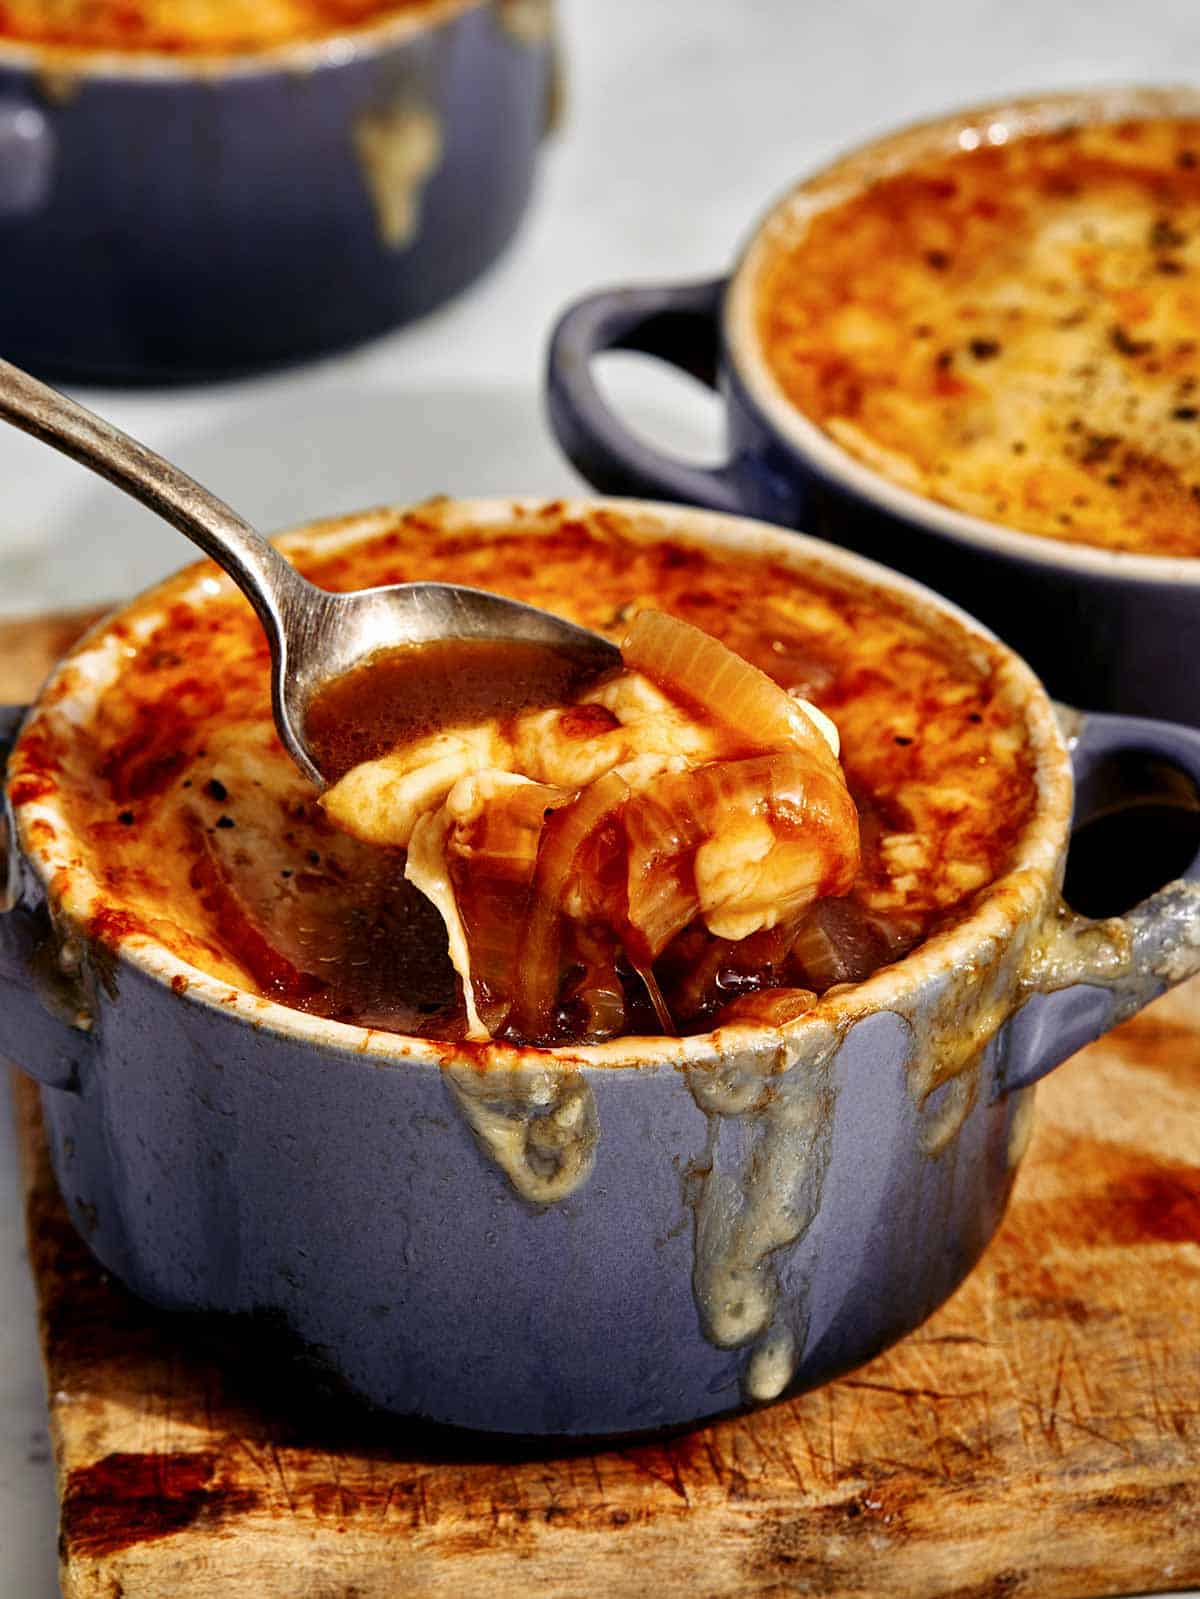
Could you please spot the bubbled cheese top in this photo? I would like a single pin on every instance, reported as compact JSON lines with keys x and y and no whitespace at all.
{"x":1012,"y":329}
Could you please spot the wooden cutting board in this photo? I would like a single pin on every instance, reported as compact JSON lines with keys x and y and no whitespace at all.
{"x":1039,"y":1437}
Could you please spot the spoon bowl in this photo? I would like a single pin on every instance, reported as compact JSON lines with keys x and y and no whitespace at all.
{"x":315,"y":635}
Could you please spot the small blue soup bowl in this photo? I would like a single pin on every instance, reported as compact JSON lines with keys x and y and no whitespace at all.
{"x":576,"y":1241}
{"x":1105,"y":629}
{"x":167,"y":217}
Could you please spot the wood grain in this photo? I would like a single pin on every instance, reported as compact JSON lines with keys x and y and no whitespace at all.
{"x":28,"y":649}
{"x":1040,"y":1436}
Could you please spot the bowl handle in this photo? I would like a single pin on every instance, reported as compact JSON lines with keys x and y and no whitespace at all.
{"x":27,"y":152}
{"x":1093,"y":974}
{"x":40,"y":1030}
{"x":679,"y":324}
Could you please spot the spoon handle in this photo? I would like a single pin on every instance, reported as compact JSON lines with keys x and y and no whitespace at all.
{"x":266,"y":579}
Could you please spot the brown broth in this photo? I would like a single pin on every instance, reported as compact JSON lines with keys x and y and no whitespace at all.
{"x":406,"y":693}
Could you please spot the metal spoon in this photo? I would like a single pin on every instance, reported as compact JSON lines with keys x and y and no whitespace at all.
{"x":314,"y":635}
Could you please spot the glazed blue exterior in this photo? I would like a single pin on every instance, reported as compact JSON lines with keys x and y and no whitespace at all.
{"x":172,"y":226}
{"x":215,"y":1165}
{"x":1104,"y":642}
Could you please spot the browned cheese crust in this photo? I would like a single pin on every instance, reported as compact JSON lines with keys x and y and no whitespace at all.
{"x":1013,"y":331}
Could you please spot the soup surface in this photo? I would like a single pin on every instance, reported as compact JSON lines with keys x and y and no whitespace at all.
{"x":187,"y":26}
{"x":1013,"y":330}
{"x":202,"y":835}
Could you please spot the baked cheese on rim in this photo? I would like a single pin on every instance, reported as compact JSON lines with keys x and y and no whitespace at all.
{"x":193,"y":828}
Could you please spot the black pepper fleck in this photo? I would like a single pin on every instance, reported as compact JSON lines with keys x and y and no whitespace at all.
{"x":984,"y":349}
{"x":126,"y":818}
{"x":226,"y":821}
{"x":1185,"y":413}
{"x":900,"y":739}
{"x":216,"y":790}
{"x":937,"y":259}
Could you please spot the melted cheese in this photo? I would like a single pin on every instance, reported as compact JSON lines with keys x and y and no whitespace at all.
{"x":1013,"y":331}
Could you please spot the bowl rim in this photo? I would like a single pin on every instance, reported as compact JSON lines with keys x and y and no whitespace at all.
{"x":1020,"y":894}
{"x":338,"y":48}
{"x":848,"y":175}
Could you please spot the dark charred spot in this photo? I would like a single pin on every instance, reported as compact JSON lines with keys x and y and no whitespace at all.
{"x":1098,"y":447}
{"x":126,"y":818}
{"x":1125,"y":344}
{"x":1164,"y":235}
{"x":984,"y":349}
{"x":1185,"y":413}
{"x":938,"y":260}
{"x":215,"y":789}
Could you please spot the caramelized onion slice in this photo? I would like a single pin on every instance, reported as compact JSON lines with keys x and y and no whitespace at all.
{"x":564,"y":837}
{"x":840,"y":942}
{"x":767,"y":1007}
{"x":756,"y":841}
{"x":491,"y":854}
{"x":729,"y":691}
{"x":475,"y":858}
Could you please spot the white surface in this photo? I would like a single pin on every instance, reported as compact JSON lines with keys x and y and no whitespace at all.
{"x":683,"y":122}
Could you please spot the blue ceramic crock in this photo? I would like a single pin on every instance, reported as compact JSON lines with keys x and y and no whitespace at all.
{"x":165,"y":218}
{"x":1112,"y":631}
{"x":581,"y":1241}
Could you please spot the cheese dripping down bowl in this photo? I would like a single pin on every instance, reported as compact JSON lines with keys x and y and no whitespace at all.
{"x":967,"y":349}
{"x":579,"y":1238}
{"x":188,"y":192}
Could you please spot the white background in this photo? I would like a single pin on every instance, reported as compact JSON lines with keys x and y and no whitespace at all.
{"x":683,"y":121}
